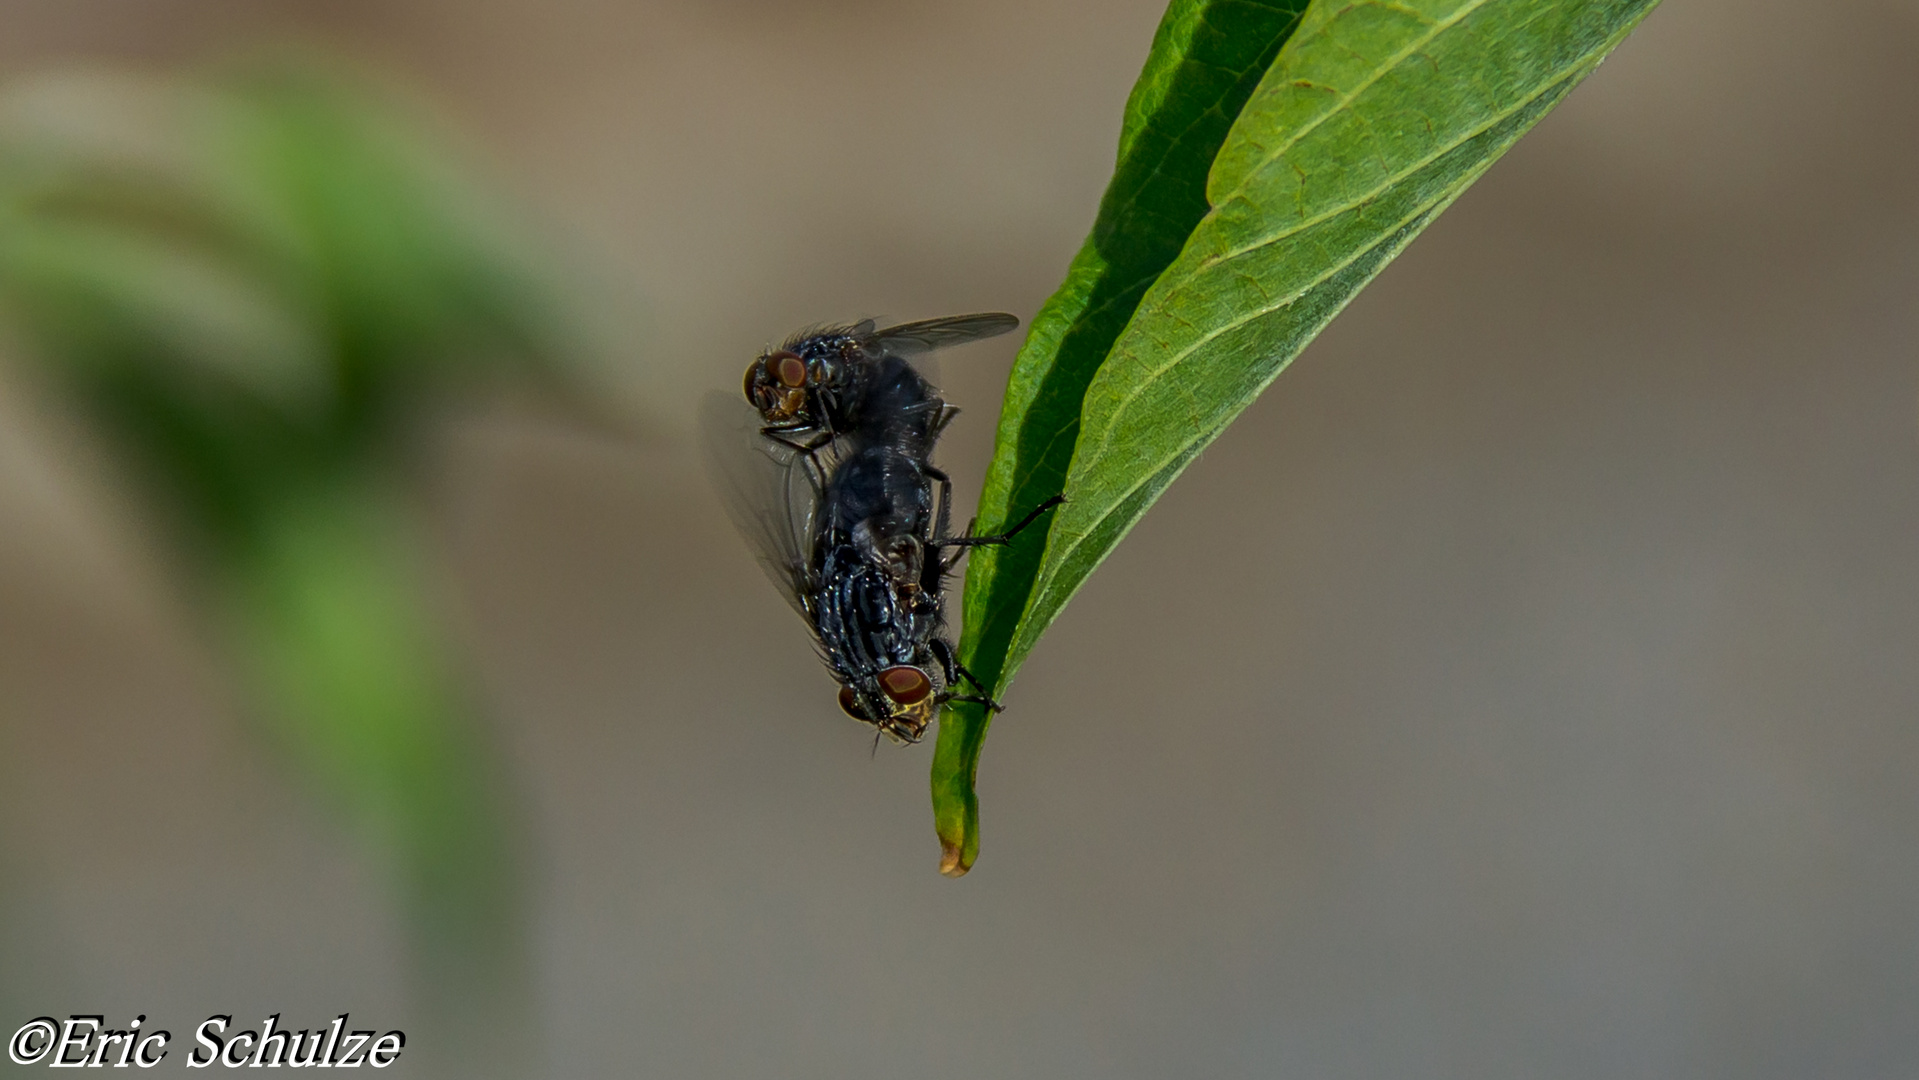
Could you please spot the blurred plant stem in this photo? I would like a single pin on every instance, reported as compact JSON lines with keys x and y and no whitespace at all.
{"x":330,"y":615}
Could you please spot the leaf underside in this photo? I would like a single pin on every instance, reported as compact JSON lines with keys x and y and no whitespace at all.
{"x":1372,"y":118}
{"x":1206,"y":60}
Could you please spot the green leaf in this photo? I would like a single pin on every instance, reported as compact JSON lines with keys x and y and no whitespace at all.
{"x":252,"y":280}
{"x":1371,"y":120}
{"x":1206,"y":60}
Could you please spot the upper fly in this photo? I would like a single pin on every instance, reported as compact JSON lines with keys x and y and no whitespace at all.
{"x":822,"y":384}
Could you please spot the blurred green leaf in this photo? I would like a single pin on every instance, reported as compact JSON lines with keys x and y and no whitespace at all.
{"x":253,"y":282}
{"x":327,"y":614}
{"x":258,"y":297}
{"x":1371,"y":120}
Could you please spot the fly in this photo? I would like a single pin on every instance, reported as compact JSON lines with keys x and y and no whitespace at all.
{"x":879,"y":574}
{"x":829,"y":382}
{"x":835,"y":489}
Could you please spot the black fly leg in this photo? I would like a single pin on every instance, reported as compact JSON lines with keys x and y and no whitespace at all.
{"x":945,"y":417}
{"x":970,"y":677}
{"x":951,"y":667}
{"x":945,"y":520}
{"x":815,"y":473}
{"x":955,"y":671}
{"x":975,"y":699}
{"x":949,"y":664}
{"x":779,"y":435}
{"x":1007,"y":536}
{"x":964,"y":542}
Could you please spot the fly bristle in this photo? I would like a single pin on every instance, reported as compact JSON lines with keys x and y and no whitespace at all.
{"x":818,"y":332}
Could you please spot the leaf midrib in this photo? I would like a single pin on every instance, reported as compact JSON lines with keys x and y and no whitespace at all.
{"x":1142,"y":384}
{"x":1160,"y":463}
{"x":1146,"y":379}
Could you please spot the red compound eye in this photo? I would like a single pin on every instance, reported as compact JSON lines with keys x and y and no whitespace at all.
{"x":850,"y":705}
{"x":788,"y":368}
{"x":905,"y":684}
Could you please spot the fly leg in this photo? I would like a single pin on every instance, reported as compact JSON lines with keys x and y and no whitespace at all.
{"x":954,"y":671}
{"x":781,"y":435}
{"x":949,"y":663}
{"x":1007,"y":536}
{"x":970,"y":677}
{"x":945,"y":417}
{"x":975,"y":699}
{"x":945,"y":520}
{"x":964,"y":542}
{"x":951,"y":667}
{"x":815,"y":473}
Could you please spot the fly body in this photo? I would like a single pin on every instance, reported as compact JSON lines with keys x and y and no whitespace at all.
{"x":825,"y":383}
{"x":833,"y":484}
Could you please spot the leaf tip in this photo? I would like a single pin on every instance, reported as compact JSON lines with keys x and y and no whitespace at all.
{"x":953,"y":860}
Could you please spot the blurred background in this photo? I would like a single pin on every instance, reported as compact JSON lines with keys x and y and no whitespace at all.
{"x":1525,"y":686}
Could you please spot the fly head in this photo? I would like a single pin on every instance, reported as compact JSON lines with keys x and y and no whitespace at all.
{"x":900,"y":700}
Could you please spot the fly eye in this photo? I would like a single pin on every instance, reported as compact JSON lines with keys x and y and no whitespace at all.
{"x":905,"y":684}
{"x":850,"y":705}
{"x":788,"y":368}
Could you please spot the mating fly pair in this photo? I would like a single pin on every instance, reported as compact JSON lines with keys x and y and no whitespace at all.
{"x":830,"y":477}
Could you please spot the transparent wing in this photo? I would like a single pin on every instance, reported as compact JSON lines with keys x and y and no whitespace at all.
{"x":909,"y":339}
{"x":771,"y":491}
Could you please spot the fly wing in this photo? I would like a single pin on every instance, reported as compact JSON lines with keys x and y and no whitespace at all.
{"x":771,"y":491}
{"x":911,"y":339}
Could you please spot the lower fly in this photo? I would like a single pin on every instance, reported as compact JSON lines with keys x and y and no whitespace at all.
{"x":855,"y":534}
{"x":879,"y":573}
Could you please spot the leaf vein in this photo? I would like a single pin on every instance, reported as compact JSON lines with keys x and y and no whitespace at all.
{"x":1419,"y":44}
{"x":1080,"y":535}
{"x":1493,"y":121}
